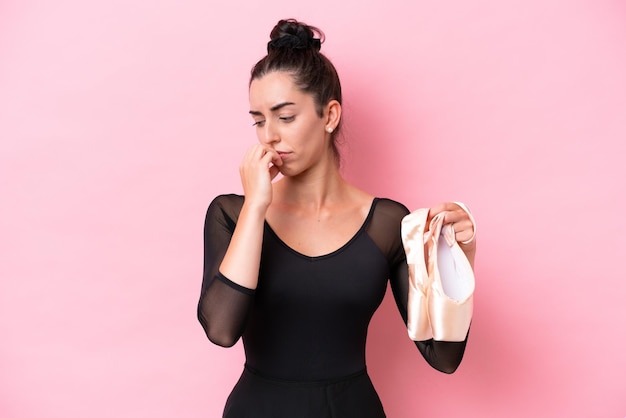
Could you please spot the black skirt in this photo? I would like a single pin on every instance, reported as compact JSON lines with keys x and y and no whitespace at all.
{"x":257,"y":396}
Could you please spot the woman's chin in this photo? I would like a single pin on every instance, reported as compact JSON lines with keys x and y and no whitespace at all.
{"x":286,"y":171}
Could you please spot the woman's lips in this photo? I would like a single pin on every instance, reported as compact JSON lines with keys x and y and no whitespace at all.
{"x":283,"y":155}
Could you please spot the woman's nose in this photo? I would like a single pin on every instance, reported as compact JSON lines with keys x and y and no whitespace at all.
{"x":270,"y":135}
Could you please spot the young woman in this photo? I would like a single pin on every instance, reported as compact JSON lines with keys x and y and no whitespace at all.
{"x":298,"y":266}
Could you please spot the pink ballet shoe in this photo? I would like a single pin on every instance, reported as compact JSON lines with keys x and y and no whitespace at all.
{"x":441,"y":279}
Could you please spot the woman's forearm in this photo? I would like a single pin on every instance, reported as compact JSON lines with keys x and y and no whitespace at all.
{"x":243,"y":256}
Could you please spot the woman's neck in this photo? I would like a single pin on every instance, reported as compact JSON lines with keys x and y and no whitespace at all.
{"x":311,"y":190}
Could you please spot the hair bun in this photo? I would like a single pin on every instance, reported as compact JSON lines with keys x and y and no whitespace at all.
{"x":291,"y":34}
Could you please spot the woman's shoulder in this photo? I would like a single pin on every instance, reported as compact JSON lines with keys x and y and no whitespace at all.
{"x":228,"y":199}
{"x":225,"y":206}
{"x":390,"y":208}
{"x":384,"y":227}
{"x":381,"y":208}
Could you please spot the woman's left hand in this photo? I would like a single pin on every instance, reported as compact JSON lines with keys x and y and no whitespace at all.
{"x":461,"y":223}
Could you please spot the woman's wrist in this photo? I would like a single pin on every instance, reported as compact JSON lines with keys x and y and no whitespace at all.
{"x":253,"y":210}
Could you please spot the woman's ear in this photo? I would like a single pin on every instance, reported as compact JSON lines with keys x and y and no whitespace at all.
{"x":333,"y":115}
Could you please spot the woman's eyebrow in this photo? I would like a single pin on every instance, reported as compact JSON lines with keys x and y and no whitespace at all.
{"x":273,"y":108}
{"x":280,"y":106}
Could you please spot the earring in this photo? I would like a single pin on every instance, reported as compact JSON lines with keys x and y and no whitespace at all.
{"x":329,"y":130}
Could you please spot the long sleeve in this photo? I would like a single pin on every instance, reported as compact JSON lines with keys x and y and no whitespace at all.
{"x":442,"y":355}
{"x":385,"y":232}
{"x":224,"y":305}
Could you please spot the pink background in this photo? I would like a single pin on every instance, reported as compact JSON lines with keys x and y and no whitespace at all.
{"x":121,"y":120}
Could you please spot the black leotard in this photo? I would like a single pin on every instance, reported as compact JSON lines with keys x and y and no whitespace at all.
{"x":304,"y":327}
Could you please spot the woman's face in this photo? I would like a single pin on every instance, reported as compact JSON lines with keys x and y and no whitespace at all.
{"x":286,"y":120}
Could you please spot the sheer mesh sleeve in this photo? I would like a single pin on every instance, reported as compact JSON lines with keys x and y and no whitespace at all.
{"x":385,"y":232}
{"x":224,"y":305}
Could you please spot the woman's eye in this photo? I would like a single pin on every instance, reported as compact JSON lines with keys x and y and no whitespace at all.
{"x":287,"y":118}
{"x":258,"y":123}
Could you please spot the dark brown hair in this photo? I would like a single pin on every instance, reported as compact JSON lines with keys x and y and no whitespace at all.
{"x":293,"y":48}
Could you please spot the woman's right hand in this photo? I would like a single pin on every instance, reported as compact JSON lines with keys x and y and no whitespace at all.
{"x":243,"y":256}
{"x":257,"y":170}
